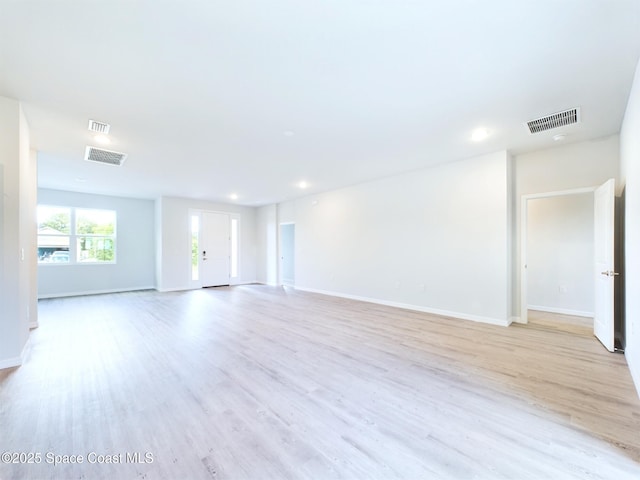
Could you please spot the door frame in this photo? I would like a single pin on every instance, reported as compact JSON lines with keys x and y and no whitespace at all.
{"x":195,"y":284}
{"x":604,"y":320}
{"x":524,"y":208}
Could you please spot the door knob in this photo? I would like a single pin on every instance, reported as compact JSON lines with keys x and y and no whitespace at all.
{"x":610,"y":273}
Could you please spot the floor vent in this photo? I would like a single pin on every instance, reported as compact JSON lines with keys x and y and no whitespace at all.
{"x":99,"y":127}
{"x":560,"y":119}
{"x":99,"y":155}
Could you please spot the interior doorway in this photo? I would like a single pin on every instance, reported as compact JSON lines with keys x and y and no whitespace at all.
{"x":560,"y":255}
{"x":287,"y":254}
{"x":525,"y":281}
{"x":589,"y":257}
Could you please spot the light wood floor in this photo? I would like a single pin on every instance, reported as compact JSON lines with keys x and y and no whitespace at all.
{"x":258,"y":382}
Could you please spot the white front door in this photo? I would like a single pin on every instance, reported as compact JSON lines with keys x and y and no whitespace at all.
{"x":215,"y":249}
{"x":603,"y":325}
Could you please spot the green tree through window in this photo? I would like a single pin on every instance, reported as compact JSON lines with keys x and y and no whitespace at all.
{"x":95,"y":230}
{"x":58,"y":221}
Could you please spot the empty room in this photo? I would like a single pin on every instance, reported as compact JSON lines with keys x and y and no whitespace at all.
{"x":319,"y":240}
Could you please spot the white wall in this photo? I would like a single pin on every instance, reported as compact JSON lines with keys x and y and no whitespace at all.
{"x":267,"y":245}
{"x":287,"y":212}
{"x":405,"y":240}
{"x":568,"y":166}
{"x":565,"y":167}
{"x":630,"y":178}
{"x":174,"y":241}
{"x":17,"y":232}
{"x":560,"y":254}
{"x":135,"y":248}
{"x":29,"y":232}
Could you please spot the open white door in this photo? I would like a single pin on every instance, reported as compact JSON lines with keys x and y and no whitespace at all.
{"x":603,"y":324}
{"x":215,"y":248}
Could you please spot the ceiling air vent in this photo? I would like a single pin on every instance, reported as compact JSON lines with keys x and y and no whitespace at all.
{"x":99,"y":155}
{"x":99,"y":127}
{"x":560,"y":119}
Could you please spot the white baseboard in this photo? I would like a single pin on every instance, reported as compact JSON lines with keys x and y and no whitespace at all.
{"x":633,"y":361}
{"x":15,"y":361}
{"x":10,"y":362}
{"x":406,"y":306}
{"x":33,"y":325}
{"x":516,"y":320}
{"x":191,"y":287}
{"x":174,"y":289}
{"x":93,"y":292}
{"x":562,"y":311}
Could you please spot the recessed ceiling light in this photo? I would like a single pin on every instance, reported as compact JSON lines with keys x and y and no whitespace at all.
{"x":303,"y":185}
{"x":103,"y":139}
{"x":559,"y":137}
{"x":479,"y":134}
{"x":80,"y":179}
{"x":233,"y":196}
{"x":288,"y":133}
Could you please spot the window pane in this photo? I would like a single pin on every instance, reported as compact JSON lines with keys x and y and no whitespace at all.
{"x":93,"y":236}
{"x":53,"y":249}
{"x":54,"y":220}
{"x":96,"y":249}
{"x":95,"y":222}
{"x":195,"y":228}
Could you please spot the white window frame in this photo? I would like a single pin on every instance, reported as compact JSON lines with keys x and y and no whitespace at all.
{"x":74,"y":237}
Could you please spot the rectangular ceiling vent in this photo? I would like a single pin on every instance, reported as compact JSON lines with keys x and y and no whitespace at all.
{"x":99,"y":155}
{"x":560,"y":119}
{"x":99,"y":127}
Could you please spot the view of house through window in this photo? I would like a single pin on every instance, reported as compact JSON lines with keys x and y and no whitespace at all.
{"x":74,"y":235}
{"x":54,"y":234}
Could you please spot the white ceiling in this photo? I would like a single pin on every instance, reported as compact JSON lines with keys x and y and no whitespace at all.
{"x":210,"y":98}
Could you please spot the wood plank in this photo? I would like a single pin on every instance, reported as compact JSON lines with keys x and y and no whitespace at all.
{"x":264,"y":382}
